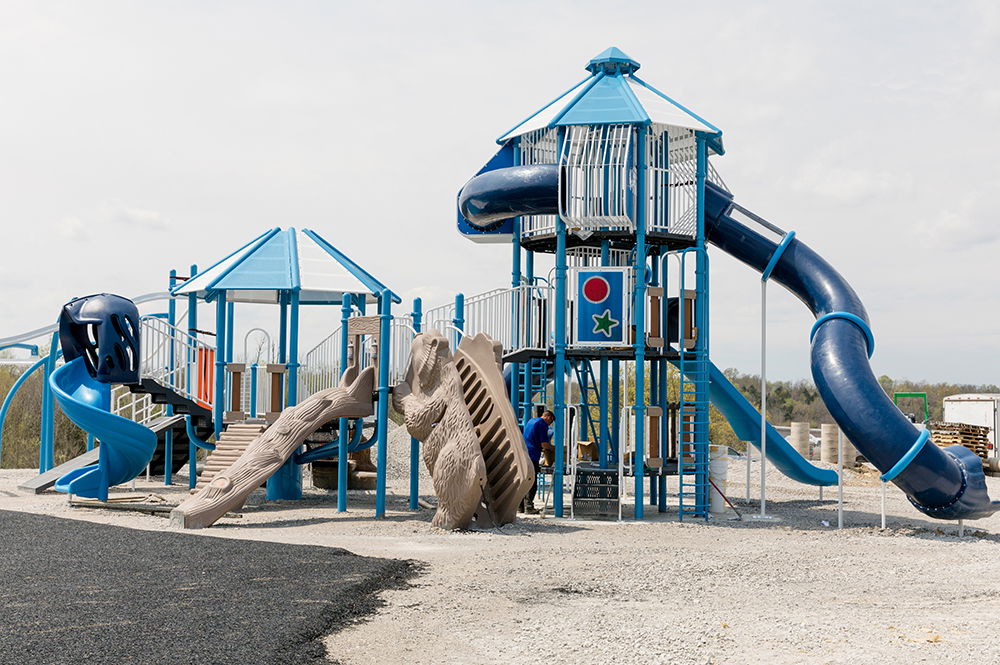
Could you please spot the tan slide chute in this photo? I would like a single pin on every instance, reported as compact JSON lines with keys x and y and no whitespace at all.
{"x":265,"y":455}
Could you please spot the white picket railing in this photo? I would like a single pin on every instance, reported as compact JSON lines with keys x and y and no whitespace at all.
{"x":138,"y":407}
{"x":321,"y":367}
{"x":170,"y":356}
{"x":519,"y":318}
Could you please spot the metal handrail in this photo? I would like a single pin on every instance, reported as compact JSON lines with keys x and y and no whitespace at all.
{"x":169,"y":355}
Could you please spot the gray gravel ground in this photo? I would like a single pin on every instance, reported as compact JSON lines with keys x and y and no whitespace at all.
{"x":78,"y":592}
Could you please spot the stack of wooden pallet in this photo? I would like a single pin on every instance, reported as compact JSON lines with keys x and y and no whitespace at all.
{"x":973,"y":437}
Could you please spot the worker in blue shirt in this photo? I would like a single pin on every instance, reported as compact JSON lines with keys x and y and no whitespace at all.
{"x":536,"y":435}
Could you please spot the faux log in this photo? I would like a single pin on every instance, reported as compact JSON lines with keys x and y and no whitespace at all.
{"x":230,"y":488}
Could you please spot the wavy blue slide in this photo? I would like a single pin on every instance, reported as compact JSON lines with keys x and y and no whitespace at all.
{"x":942,"y":483}
{"x":126,"y":446}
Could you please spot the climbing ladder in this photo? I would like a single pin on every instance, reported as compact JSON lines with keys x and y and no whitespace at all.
{"x":693,"y":417}
{"x":590,"y":400}
{"x":536,"y":373}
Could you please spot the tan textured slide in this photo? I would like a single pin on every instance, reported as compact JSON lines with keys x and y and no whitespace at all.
{"x":265,"y":455}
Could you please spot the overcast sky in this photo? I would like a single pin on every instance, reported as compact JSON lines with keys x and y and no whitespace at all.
{"x":136,"y":137}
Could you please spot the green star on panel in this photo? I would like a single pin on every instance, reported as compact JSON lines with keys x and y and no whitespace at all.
{"x":603,"y":323}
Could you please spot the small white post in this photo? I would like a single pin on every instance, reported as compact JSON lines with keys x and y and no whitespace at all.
{"x":961,"y":528}
{"x":884,"y":483}
{"x":749,"y":460}
{"x":821,"y":494}
{"x":763,"y":398}
{"x":840,"y":480}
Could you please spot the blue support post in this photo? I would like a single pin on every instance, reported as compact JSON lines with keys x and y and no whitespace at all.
{"x":219,"y":401}
{"x":90,"y":440}
{"x":414,"y":444}
{"x":559,"y":375}
{"x":385,"y":317}
{"x":702,"y":321}
{"x":230,"y":312}
{"x":515,"y":314}
{"x":639,"y":319}
{"x":616,"y":408}
{"x":286,"y":483}
{"x":525,"y":414}
{"x":168,"y":436}
{"x":190,"y":360}
{"x":459,"y":320}
{"x":253,"y":390}
{"x":602,"y":441}
{"x":345,"y":314}
{"x":46,"y":450}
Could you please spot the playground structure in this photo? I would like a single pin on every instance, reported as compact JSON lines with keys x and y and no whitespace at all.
{"x":614,"y":181}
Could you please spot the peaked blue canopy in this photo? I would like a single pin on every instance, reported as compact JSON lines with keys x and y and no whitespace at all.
{"x":282,"y":261}
{"x":613,"y":94}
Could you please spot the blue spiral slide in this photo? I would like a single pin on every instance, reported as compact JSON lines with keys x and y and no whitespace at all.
{"x":944,"y":483}
{"x":126,"y":446}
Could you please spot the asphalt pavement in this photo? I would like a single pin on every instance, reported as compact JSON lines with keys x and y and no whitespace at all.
{"x":78,"y":592}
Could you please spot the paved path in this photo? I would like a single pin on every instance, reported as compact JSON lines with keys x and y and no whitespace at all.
{"x":77,"y":592}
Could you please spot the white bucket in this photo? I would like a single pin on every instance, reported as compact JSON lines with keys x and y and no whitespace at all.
{"x":718,"y":462}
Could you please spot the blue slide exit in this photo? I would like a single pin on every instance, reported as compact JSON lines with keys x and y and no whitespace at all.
{"x":943,"y":483}
{"x":745,"y":421}
{"x":126,"y":446}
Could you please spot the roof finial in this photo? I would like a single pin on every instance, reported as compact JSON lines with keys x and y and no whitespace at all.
{"x":612,"y":61}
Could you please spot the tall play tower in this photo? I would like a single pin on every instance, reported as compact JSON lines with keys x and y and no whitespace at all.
{"x":610,"y":179}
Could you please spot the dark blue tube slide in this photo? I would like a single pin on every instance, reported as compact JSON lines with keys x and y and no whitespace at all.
{"x":944,"y":483}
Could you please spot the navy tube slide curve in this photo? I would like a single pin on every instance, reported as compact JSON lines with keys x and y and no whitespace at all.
{"x":944,"y":483}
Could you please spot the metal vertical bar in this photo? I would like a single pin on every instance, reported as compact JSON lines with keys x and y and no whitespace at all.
{"x":46,"y":448}
{"x":840,"y":479}
{"x":342,"y":466}
{"x":639,"y":320}
{"x":168,"y":436}
{"x":218,"y":404}
{"x":515,"y":310}
{"x":286,"y":483}
{"x":253,"y":390}
{"x":192,"y":318}
{"x":702,"y":317}
{"x":559,"y":374}
{"x":763,"y":398}
{"x":293,"y":351}
{"x":385,"y":318}
{"x":414,"y":444}
{"x":602,"y":398}
{"x":230,"y":316}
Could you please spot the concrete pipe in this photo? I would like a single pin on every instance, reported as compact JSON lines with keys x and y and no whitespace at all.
{"x":828,"y":444}
{"x":799,"y":438}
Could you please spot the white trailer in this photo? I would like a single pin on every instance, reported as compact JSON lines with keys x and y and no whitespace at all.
{"x":983,"y":410}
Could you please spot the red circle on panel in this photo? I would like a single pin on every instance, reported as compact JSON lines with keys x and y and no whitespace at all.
{"x":596,"y":289}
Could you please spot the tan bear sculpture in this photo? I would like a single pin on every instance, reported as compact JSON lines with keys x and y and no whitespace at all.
{"x":458,"y":407}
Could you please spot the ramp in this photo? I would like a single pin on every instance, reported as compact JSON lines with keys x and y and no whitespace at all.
{"x":265,"y":454}
{"x":44,"y":481}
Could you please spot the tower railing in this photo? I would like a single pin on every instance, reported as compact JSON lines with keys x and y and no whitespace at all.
{"x":520,"y":317}
{"x":176,"y":359}
{"x":321,"y":367}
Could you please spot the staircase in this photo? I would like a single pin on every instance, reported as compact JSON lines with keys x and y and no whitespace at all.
{"x":228,"y":448}
{"x":590,"y":398}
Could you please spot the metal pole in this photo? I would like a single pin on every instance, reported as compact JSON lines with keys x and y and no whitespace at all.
{"x":414,"y":444}
{"x":749,"y":460}
{"x":345,"y":314}
{"x":763,"y":397}
{"x":883,"y":503}
{"x":840,"y":479}
{"x":385,"y":318}
{"x":191,"y":360}
{"x":961,"y":528}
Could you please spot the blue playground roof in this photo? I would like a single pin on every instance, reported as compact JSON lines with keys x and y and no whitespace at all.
{"x":285,"y":260}
{"x":613,"y":94}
